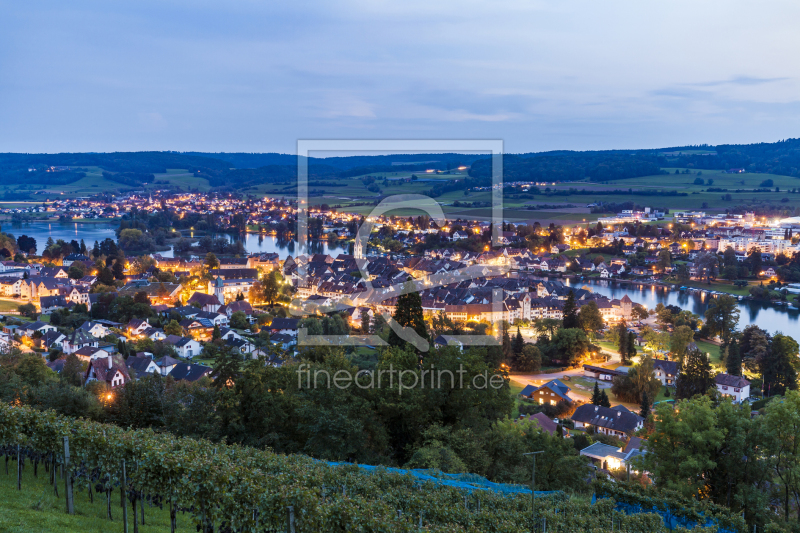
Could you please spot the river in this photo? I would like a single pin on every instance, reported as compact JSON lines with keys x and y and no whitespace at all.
{"x":764,"y":315}
{"x":97,"y":231}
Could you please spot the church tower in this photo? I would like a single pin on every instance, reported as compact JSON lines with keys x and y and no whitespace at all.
{"x":219,"y":290}
{"x":358,"y":252}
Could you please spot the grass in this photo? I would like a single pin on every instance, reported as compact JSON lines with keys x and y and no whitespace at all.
{"x":37,"y":509}
{"x":8,"y":305}
{"x":711,"y":349}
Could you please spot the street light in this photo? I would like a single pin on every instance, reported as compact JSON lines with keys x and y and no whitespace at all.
{"x":533,"y":483}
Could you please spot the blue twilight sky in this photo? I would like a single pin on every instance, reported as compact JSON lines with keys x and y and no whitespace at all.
{"x":254,"y":76}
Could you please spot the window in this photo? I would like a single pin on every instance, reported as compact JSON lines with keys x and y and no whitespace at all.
{"x":724,"y":387}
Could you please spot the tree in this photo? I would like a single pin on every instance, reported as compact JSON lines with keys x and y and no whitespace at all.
{"x":782,"y":421}
{"x":639,"y":381}
{"x":696,"y":375}
{"x":590,"y":319}
{"x":631,"y":346}
{"x":722,"y":316}
{"x":644,"y":410}
{"x":28,"y":310}
{"x":211,"y":262}
{"x":679,"y":342}
{"x":216,"y":334}
{"x":227,"y":366}
{"x":239,"y":320}
{"x":595,"y":394}
{"x":622,"y":341}
{"x":518,"y":343}
{"x":530,"y":360}
{"x":72,"y":372}
{"x":173,"y":328}
{"x":754,"y":347}
{"x":270,"y":288}
{"x":570,"y":312}
{"x":733,"y":363}
{"x":408,"y":314}
{"x":604,"y":401}
{"x":664,"y":260}
{"x":106,"y":276}
{"x":779,"y":368}
{"x":571,"y":345}
{"x":364,"y":322}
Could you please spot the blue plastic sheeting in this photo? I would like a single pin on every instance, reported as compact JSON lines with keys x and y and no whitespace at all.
{"x":670,"y":521}
{"x":467,"y":482}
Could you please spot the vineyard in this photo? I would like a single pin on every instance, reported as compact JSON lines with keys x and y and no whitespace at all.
{"x":221,"y":488}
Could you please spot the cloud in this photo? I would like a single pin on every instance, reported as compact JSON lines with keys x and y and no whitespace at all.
{"x":739,"y":80}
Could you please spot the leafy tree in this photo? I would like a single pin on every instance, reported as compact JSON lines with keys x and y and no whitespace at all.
{"x":227,"y":365}
{"x":270,"y":288}
{"x":28,"y":310}
{"x":173,"y":328}
{"x":72,"y":372}
{"x":211,"y":262}
{"x":530,"y":360}
{"x":782,"y":424}
{"x":239,"y":320}
{"x":571,"y":345}
{"x":779,"y":368}
{"x":570,"y":312}
{"x":216,"y":334}
{"x":696,"y":375}
{"x":590,"y":319}
{"x":722,"y":316}
{"x":106,"y":276}
{"x":622,"y":342}
{"x":754,"y":347}
{"x":408,"y":314}
{"x":639,"y":381}
{"x":733,"y":363}
{"x":679,"y":342}
{"x":664,"y":260}
{"x":365,"y":319}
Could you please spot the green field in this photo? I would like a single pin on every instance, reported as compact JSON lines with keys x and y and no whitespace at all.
{"x":37,"y":509}
{"x":9,"y":305}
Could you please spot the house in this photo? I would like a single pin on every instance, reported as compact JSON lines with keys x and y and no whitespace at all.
{"x":166,"y":364}
{"x":87,"y":353}
{"x":242,"y":345}
{"x":735,"y":387}
{"x":544,"y":422}
{"x":551,"y":393}
{"x":666,"y":371}
{"x":136,"y":327}
{"x":448,"y":340}
{"x":615,"y":421}
{"x":188,"y":347}
{"x":110,"y":370}
{"x":286,"y":326}
{"x":77,"y":340}
{"x":283,"y":340}
{"x":51,"y":303}
{"x":600,"y":373}
{"x":206,"y":302}
{"x":189,"y":372}
{"x":610,"y":457}
{"x":49,"y":340}
{"x":42,"y":327}
{"x":71,"y":258}
{"x":142,"y":365}
{"x":95,"y":328}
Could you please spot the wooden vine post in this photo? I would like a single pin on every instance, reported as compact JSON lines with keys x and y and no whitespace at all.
{"x":19,"y":469}
{"x":122,"y":489}
{"x":68,"y":479}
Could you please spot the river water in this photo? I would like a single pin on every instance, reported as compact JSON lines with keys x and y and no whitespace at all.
{"x":97,"y":231}
{"x":762,"y":314}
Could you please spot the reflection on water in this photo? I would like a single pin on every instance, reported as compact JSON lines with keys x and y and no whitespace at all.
{"x":762,"y":314}
{"x":90,"y":232}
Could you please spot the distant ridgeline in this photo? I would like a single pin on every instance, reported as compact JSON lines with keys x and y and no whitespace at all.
{"x":240,"y":170}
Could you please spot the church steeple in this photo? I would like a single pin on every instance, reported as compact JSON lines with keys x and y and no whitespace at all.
{"x":358,"y":252}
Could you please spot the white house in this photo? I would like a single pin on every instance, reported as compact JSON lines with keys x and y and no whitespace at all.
{"x":188,"y":347}
{"x":736,"y":387}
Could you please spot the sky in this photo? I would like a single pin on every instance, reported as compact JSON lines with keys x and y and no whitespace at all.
{"x":256,"y":76}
